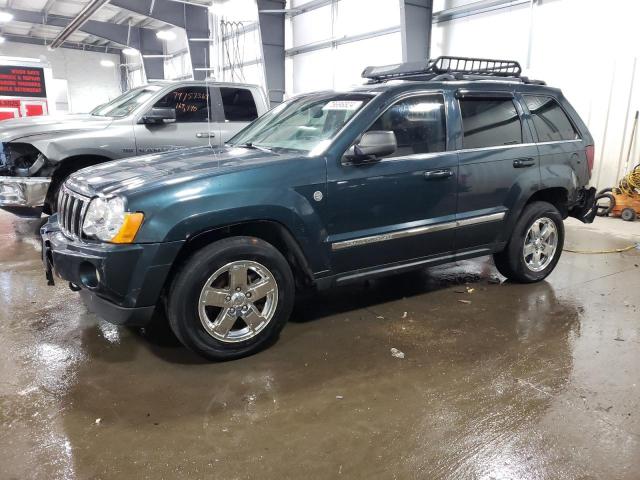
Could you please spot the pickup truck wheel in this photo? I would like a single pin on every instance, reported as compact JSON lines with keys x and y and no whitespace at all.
{"x":535,"y":245}
{"x":231,"y":298}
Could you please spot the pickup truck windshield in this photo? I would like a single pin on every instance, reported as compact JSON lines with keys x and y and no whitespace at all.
{"x":126,"y":103}
{"x":302,"y":123}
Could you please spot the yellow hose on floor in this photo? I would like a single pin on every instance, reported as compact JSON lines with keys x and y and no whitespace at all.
{"x":614,"y":250}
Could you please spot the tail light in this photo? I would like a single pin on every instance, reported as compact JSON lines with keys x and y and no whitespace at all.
{"x":590,"y":151}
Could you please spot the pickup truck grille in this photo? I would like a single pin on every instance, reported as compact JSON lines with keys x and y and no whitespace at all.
{"x":72,"y":208}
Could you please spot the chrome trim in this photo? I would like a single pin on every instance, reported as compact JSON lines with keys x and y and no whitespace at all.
{"x":357,"y":242}
{"x":494,"y":217}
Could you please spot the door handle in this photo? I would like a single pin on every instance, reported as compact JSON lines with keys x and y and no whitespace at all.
{"x":437,"y":174}
{"x":524,"y":162}
{"x":205,"y":135}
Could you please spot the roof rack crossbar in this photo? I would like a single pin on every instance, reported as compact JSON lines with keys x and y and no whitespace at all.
{"x":445,"y":65}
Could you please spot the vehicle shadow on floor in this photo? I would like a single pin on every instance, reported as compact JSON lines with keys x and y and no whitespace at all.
{"x":315,"y":306}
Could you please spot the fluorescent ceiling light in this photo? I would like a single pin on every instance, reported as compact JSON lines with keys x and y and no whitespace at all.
{"x":166,"y":35}
{"x":5,"y":17}
{"x":2,"y":39}
{"x":107,"y":63}
{"x":130,"y":51}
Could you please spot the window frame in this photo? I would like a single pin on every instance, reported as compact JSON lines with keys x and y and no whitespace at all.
{"x":395,"y":100}
{"x":475,"y":96}
{"x":537,"y":139}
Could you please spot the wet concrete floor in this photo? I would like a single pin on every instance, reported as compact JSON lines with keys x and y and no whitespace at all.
{"x":523,"y":382}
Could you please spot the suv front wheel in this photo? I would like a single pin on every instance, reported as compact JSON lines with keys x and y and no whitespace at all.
{"x":535,"y":245}
{"x":231,"y":298}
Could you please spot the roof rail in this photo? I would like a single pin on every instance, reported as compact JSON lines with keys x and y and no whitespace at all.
{"x":448,"y":68}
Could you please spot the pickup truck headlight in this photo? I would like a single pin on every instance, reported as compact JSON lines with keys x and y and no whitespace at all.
{"x":107,"y":219}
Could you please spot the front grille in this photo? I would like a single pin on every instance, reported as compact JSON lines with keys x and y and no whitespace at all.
{"x":72,"y":208}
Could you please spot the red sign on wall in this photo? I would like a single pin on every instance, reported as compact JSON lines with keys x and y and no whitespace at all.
{"x":22,"y":82}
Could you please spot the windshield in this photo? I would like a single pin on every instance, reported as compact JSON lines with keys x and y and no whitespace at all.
{"x":126,"y":103}
{"x":302,"y":123}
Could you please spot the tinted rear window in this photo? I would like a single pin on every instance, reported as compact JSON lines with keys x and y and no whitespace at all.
{"x":490,"y":122}
{"x":238,"y":104}
{"x":550,"y":121}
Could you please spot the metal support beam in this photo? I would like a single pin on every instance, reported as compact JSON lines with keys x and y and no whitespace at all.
{"x":72,"y":45}
{"x":272,"y":35}
{"x":415,"y":24}
{"x":109,"y":31}
{"x":89,"y":9}
{"x":475,"y":8}
{"x":311,"y":47}
{"x":151,"y":45}
{"x":193,"y":18}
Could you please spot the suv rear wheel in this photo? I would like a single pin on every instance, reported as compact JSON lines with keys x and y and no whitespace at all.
{"x":535,"y":245}
{"x":231,"y":298}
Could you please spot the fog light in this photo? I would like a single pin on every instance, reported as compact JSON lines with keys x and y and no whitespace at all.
{"x":89,"y":275}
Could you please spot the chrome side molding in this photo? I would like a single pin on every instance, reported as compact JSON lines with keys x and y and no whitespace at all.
{"x":383,"y":237}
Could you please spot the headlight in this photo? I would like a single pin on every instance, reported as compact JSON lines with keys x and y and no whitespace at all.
{"x":107,"y":220}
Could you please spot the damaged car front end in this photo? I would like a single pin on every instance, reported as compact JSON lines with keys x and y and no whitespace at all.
{"x":24,"y":176}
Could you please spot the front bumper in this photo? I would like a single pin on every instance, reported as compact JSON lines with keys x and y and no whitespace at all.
{"x":23,"y":191}
{"x":120,"y":283}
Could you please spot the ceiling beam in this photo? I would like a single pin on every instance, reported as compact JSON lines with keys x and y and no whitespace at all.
{"x":71,"y":45}
{"x":115,"y":33}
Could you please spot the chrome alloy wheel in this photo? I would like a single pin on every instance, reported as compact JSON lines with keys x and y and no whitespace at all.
{"x":540,"y":244}
{"x":238,"y":301}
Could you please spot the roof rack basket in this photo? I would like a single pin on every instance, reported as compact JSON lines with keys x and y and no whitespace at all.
{"x":454,"y":67}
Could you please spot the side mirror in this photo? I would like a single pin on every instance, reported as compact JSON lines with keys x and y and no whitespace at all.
{"x":157,"y":116}
{"x":373,"y":145}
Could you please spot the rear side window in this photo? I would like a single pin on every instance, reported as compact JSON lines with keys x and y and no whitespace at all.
{"x":490,"y":122}
{"x":238,"y":104}
{"x":418,"y":123}
{"x":191,"y":104}
{"x":549,"y":119}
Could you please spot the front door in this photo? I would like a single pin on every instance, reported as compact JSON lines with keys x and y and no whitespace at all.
{"x":402,"y":206}
{"x":192,"y":127}
{"x":498,"y":167}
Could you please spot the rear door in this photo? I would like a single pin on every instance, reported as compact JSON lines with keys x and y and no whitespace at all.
{"x":191,"y":128}
{"x":402,"y":206}
{"x":498,"y":166}
{"x":235,"y":108}
{"x":561,"y":148}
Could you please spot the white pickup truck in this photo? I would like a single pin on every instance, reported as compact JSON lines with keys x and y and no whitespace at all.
{"x":38,"y":153}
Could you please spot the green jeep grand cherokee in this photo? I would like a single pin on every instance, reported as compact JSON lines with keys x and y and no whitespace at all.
{"x":455,"y":158}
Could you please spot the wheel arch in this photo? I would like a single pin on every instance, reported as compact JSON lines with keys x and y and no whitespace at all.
{"x":556,"y":196}
{"x":270,"y":231}
{"x":66,"y":167}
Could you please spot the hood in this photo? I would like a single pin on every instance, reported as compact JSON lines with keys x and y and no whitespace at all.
{"x":162,"y":170}
{"x":18,"y":128}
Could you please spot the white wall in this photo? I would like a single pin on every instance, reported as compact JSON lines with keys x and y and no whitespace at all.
{"x":585,"y":47}
{"x":89,"y":84}
{"x":340,"y":66}
{"x":237,"y":59}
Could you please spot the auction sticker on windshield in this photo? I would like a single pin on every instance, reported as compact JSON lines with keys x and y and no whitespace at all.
{"x":343,"y":105}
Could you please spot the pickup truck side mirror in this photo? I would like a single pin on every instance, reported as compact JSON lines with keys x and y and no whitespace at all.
{"x":157,"y":116}
{"x":373,"y":145}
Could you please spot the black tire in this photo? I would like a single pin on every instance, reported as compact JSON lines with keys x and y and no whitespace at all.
{"x":184,"y":294}
{"x":510,"y":262}
{"x":628,"y":215}
{"x":604,"y":210}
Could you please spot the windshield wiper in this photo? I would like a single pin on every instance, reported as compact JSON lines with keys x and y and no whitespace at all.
{"x":251,"y":146}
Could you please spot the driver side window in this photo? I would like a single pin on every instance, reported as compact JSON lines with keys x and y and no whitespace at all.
{"x":191,"y":104}
{"x":418,"y":124}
